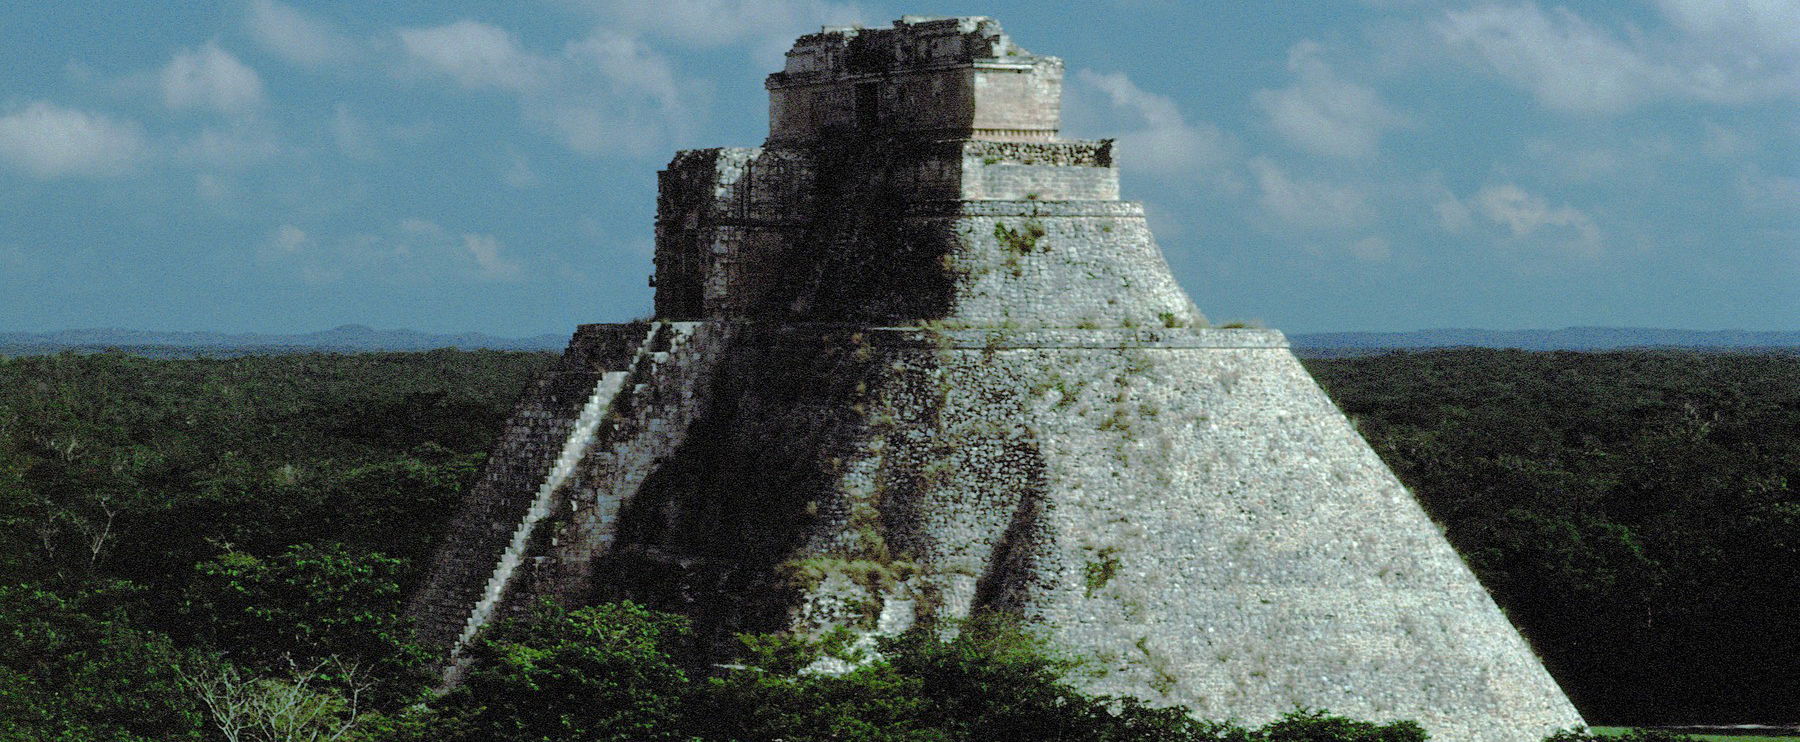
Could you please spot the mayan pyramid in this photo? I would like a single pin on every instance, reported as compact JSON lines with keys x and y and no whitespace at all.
{"x":913,"y":359}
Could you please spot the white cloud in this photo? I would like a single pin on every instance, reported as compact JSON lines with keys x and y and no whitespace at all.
{"x":417,"y":226}
{"x":1453,"y":215}
{"x":616,"y":93}
{"x":1715,"y":52}
{"x":1525,"y":214}
{"x":47,"y":140}
{"x":1761,"y":34}
{"x":604,"y":93}
{"x":1604,"y":158}
{"x":1163,"y":141}
{"x":1568,"y":63}
{"x":767,"y":27}
{"x":297,"y":254}
{"x":717,"y":22}
{"x":1308,"y":204}
{"x":475,"y":55}
{"x":1325,"y":114}
{"x":289,"y":238}
{"x":410,"y":251}
{"x":295,"y":36}
{"x":490,"y":265}
{"x":210,"y":78}
{"x":361,"y":138}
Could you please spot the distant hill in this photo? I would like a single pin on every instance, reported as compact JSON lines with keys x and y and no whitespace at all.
{"x":363,"y":339}
{"x":342,"y":339}
{"x":1568,"y":338}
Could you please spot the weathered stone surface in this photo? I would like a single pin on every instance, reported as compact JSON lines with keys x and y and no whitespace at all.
{"x":921,"y":362}
{"x":539,"y":423}
{"x":946,"y":77}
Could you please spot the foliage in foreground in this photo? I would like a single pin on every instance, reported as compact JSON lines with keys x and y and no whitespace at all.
{"x":610,"y":673}
{"x":216,"y":548}
{"x":75,"y":670}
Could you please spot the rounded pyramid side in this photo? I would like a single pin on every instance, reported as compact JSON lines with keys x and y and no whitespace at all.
{"x":1183,"y":506}
{"x":1189,"y":510}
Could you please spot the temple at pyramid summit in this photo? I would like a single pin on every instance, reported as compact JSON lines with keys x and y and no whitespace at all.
{"x":913,"y":359}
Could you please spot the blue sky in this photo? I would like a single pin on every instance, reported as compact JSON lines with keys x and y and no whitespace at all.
{"x":444,"y":166}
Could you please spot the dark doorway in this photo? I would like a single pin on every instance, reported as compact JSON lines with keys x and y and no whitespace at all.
{"x":868,"y":105}
{"x":680,"y":294}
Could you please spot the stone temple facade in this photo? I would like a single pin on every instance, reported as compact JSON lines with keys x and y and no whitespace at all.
{"x":914,"y":359}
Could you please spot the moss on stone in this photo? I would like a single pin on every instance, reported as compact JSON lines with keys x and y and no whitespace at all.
{"x":1020,"y":241}
{"x":1095,"y":574}
{"x":1162,"y":674}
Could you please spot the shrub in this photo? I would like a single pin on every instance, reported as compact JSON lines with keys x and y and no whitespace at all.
{"x":1318,"y":725}
{"x":306,"y":604}
{"x":69,"y":672}
{"x":994,"y":681}
{"x":599,"y":673}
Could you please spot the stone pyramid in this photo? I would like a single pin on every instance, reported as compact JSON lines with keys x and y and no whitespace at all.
{"x":915,"y":359}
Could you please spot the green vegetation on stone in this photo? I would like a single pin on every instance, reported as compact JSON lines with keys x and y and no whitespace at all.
{"x":1019,"y":241}
{"x":1095,"y":574}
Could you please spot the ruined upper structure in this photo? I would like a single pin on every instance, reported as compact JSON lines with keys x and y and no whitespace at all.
{"x":913,"y":360}
{"x":946,"y":77}
{"x":881,"y":139}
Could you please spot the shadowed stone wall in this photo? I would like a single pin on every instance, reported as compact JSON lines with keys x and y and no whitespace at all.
{"x":534,"y":433}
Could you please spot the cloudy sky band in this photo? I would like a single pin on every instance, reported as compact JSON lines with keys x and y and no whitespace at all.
{"x":1359,"y":166}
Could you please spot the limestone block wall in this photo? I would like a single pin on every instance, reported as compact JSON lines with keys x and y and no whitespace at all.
{"x":987,"y":170}
{"x":917,"y":230}
{"x":1018,"y":101}
{"x":649,"y":425}
{"x":1007,"y":181}
{"x":1053,"y":264}
{"x":1182,"y":505}
{"x":727,"y":222}
{"x":736,"y":185}
{"x":1019,"y":263}
{"x":956,"y":232}
{"x":933,"y":100}
{"x":713,"y":529}
{"x":925,"y":363}
{"x":953,"y":77}
{"x":914,"y":41}
{"x":1216,"y":534}
{"x":996,"y":100}
{"x":541,"y":534}
{"x":534,"y":434}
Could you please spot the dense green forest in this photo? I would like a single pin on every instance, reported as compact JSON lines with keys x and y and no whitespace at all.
{"x":1635,"y":513}
{"x":169,"y":524}
{"x":186,"y":545}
